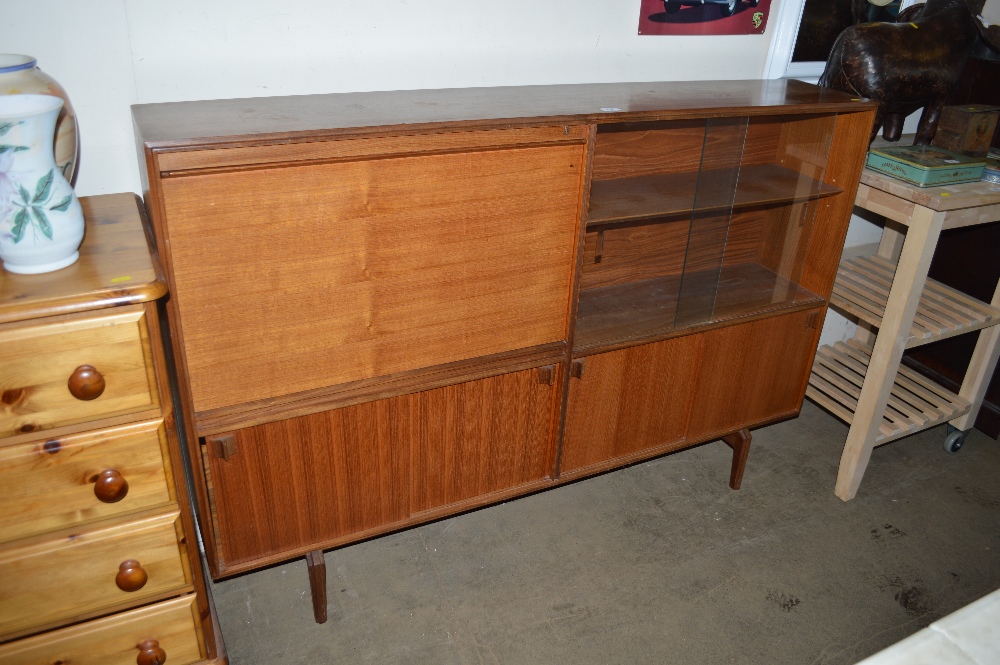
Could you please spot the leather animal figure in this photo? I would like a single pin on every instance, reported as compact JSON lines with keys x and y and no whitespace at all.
{"x":904,"y":66}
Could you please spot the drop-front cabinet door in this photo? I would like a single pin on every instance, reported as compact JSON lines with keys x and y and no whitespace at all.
{"x":337,"y":475}
{"x":316,"y":274}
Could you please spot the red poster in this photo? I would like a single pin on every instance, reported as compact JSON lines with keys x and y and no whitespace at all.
{"x":703,"y":17}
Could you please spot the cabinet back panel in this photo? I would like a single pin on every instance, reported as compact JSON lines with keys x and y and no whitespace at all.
{"x":798,"y":142}
{"x":628,"y":150}
{"x":637,"y":149}
{"x":637,"y":253}
{"x":632,"y":254}
{"x":784,"y":239}
{"x":290,"y":279}
{"x":763,"y":136}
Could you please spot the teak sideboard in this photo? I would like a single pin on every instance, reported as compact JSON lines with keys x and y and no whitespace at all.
{"x":389,"y":307}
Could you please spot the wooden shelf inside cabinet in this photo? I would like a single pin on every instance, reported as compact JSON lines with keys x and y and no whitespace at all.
{"x":862,"y":289}
{"x":651,"y":197}
{"x":638,"y":312}
{"x":915,"y":403}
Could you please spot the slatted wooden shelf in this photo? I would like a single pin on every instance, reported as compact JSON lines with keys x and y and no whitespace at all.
{"x":862,"y":289}
{"x":651,"y":197}
{"x":915,"y":402}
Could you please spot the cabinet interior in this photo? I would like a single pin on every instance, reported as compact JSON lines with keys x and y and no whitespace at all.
{"x":694,"y":222}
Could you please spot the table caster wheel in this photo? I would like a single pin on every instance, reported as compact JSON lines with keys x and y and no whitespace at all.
{"x":954,"y":441}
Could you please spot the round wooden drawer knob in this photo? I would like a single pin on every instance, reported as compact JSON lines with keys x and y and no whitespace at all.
{"x":131,"y":576}
{"x":111,"y":486}
{"x":150,"y":653}
{"x":86,"y":383}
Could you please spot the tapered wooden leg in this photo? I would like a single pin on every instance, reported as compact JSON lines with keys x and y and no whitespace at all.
{"x":740,"y":443}
{"x":317,"y":583}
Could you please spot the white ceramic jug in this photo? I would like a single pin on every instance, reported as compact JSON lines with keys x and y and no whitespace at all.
{"x":41,"y":222}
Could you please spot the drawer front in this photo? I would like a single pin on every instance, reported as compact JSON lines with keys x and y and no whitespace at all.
{"x":56,"y":579}
{"x":361,"y":269}
{"x":173,"y":624}
{"x":51,"y":484}
{"x":37,"y":363}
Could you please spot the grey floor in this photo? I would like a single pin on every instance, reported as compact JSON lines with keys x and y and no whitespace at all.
{"x":658,"y":563}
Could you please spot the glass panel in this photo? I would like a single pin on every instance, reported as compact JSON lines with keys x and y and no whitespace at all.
{"x":802,"y":146}
{"x":715,"y":194}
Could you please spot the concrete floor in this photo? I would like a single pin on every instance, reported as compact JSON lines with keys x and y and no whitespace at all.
{"x":658,"y":563}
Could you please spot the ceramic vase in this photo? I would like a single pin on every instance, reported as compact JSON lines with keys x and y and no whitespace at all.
{"x":20,"y":75}
{"x":41,"y":222}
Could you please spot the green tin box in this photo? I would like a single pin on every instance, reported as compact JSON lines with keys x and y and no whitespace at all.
{"x":925,"y":165}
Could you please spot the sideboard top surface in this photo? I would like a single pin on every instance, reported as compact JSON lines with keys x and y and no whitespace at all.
{"x":229,"y":121}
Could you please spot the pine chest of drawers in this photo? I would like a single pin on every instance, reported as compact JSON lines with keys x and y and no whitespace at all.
{"x":98,"y":554}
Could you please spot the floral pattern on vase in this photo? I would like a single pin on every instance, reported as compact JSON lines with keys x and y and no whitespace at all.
{"x":41,"y":221}
{"x":20,"y":75}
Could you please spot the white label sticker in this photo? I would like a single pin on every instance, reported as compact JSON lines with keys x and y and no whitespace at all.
{"x":952,"y":161}
{"x":610,"y":109}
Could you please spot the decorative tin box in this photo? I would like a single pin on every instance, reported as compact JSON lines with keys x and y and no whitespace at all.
{"x":967,"y":129}
{"x":925,"y":165}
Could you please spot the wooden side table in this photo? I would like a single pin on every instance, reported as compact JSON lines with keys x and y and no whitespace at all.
{"x":898,"y":307}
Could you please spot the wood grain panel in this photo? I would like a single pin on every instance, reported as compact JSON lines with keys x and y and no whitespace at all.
{"x":482,"y":437}
{"x":843,"y":170}
{"x":745,"y":241}
{"x":632,"y":254}
{"x":239,"y":121}
{"x":753,"y":372}
{"x":372,"y":147}
{"x":383,"y":387}
{"x":637,"y":253}
{"x":54,"y":578}
{"x":628,"y":150}
{"x":630,"y":400}
{"x":37,"y":359}
{"x":114,"y":640}
{"x":637,"y":312}
{"x":320,"y":477}
{"x":804,"y":145}
{"x":297,"y":278}
{"x":309,"y":479}
{"x":762,"y":139}
{"x":49,"y":484}
{"x":114,"y":268}
{"x":785,"y":239}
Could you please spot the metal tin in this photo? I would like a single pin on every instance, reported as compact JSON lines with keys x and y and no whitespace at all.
{"x":924,"y":165}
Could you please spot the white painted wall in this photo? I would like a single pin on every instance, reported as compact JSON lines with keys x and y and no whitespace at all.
{"x":110,"y":54}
